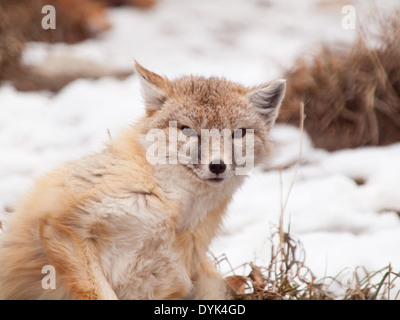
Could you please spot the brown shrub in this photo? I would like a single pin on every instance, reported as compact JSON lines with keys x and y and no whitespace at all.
{"x":143,"y":4}
{"x":21,"y":21}
{"x":76,"y":20}
{"x":11,"y":45}
{"x":351,"y":95}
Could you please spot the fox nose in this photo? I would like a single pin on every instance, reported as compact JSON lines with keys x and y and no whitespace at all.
{"x":217,"y":168}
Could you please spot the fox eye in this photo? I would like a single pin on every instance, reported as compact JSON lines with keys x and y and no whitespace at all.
{"x":188,"y":132}
{"x":239,"y":133}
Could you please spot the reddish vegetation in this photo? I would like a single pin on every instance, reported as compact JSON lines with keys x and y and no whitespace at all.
{"x":351,"y":95}
{"x":21,"y":21}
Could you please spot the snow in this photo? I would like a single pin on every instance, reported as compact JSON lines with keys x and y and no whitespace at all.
{"x":341,"y":223}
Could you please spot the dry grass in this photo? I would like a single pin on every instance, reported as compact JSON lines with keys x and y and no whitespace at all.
{"x":142,"y":4}
{"x":77,"y":20}
{"x":364,"y":285}
{"x":287,"y":277}
{"x":11,"y":45}
{"x":33,"y":79}
{"x":351,"y":94}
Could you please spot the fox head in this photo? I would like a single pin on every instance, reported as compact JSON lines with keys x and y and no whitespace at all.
{"x":211,"y":128}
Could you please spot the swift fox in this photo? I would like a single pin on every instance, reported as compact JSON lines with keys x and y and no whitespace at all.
{"x":127,"y":223}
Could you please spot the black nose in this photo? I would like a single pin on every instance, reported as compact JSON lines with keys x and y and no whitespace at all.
{"x":217,"y":168}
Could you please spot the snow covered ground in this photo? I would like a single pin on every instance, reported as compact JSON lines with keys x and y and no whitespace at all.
{"x":344,"y":206}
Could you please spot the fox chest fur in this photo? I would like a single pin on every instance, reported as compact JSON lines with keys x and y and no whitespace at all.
{"x":152,"y":239}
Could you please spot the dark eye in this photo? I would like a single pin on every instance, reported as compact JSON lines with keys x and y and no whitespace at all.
{"x":239,"y":133}
{"x":188,"y":132}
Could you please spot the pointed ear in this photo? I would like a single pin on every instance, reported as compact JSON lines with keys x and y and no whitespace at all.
{"x":154,"y":88}
{"x":267,"y":99}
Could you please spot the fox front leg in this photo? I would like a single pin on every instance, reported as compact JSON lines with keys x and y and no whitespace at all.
{"x":209,"y":283}
{"x":76,"y":262}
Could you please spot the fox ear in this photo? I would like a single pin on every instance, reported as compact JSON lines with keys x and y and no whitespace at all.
{"x":268,"y":98}
{"x":154,"y":88}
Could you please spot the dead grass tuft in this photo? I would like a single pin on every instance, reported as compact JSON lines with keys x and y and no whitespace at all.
{"x":142,"y":4}
{"x":33,"y":79}
{"x":351,"y":95}
{"x":288,"y":278}
{"x":76,"y":20}
{"x":285,"y":278}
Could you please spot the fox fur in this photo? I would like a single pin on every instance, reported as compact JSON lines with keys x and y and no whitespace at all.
{"x":114,"y":226}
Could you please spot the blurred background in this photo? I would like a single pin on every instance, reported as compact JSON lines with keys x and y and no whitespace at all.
{"x":349,"y":47}
{"x":64,"y":91}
